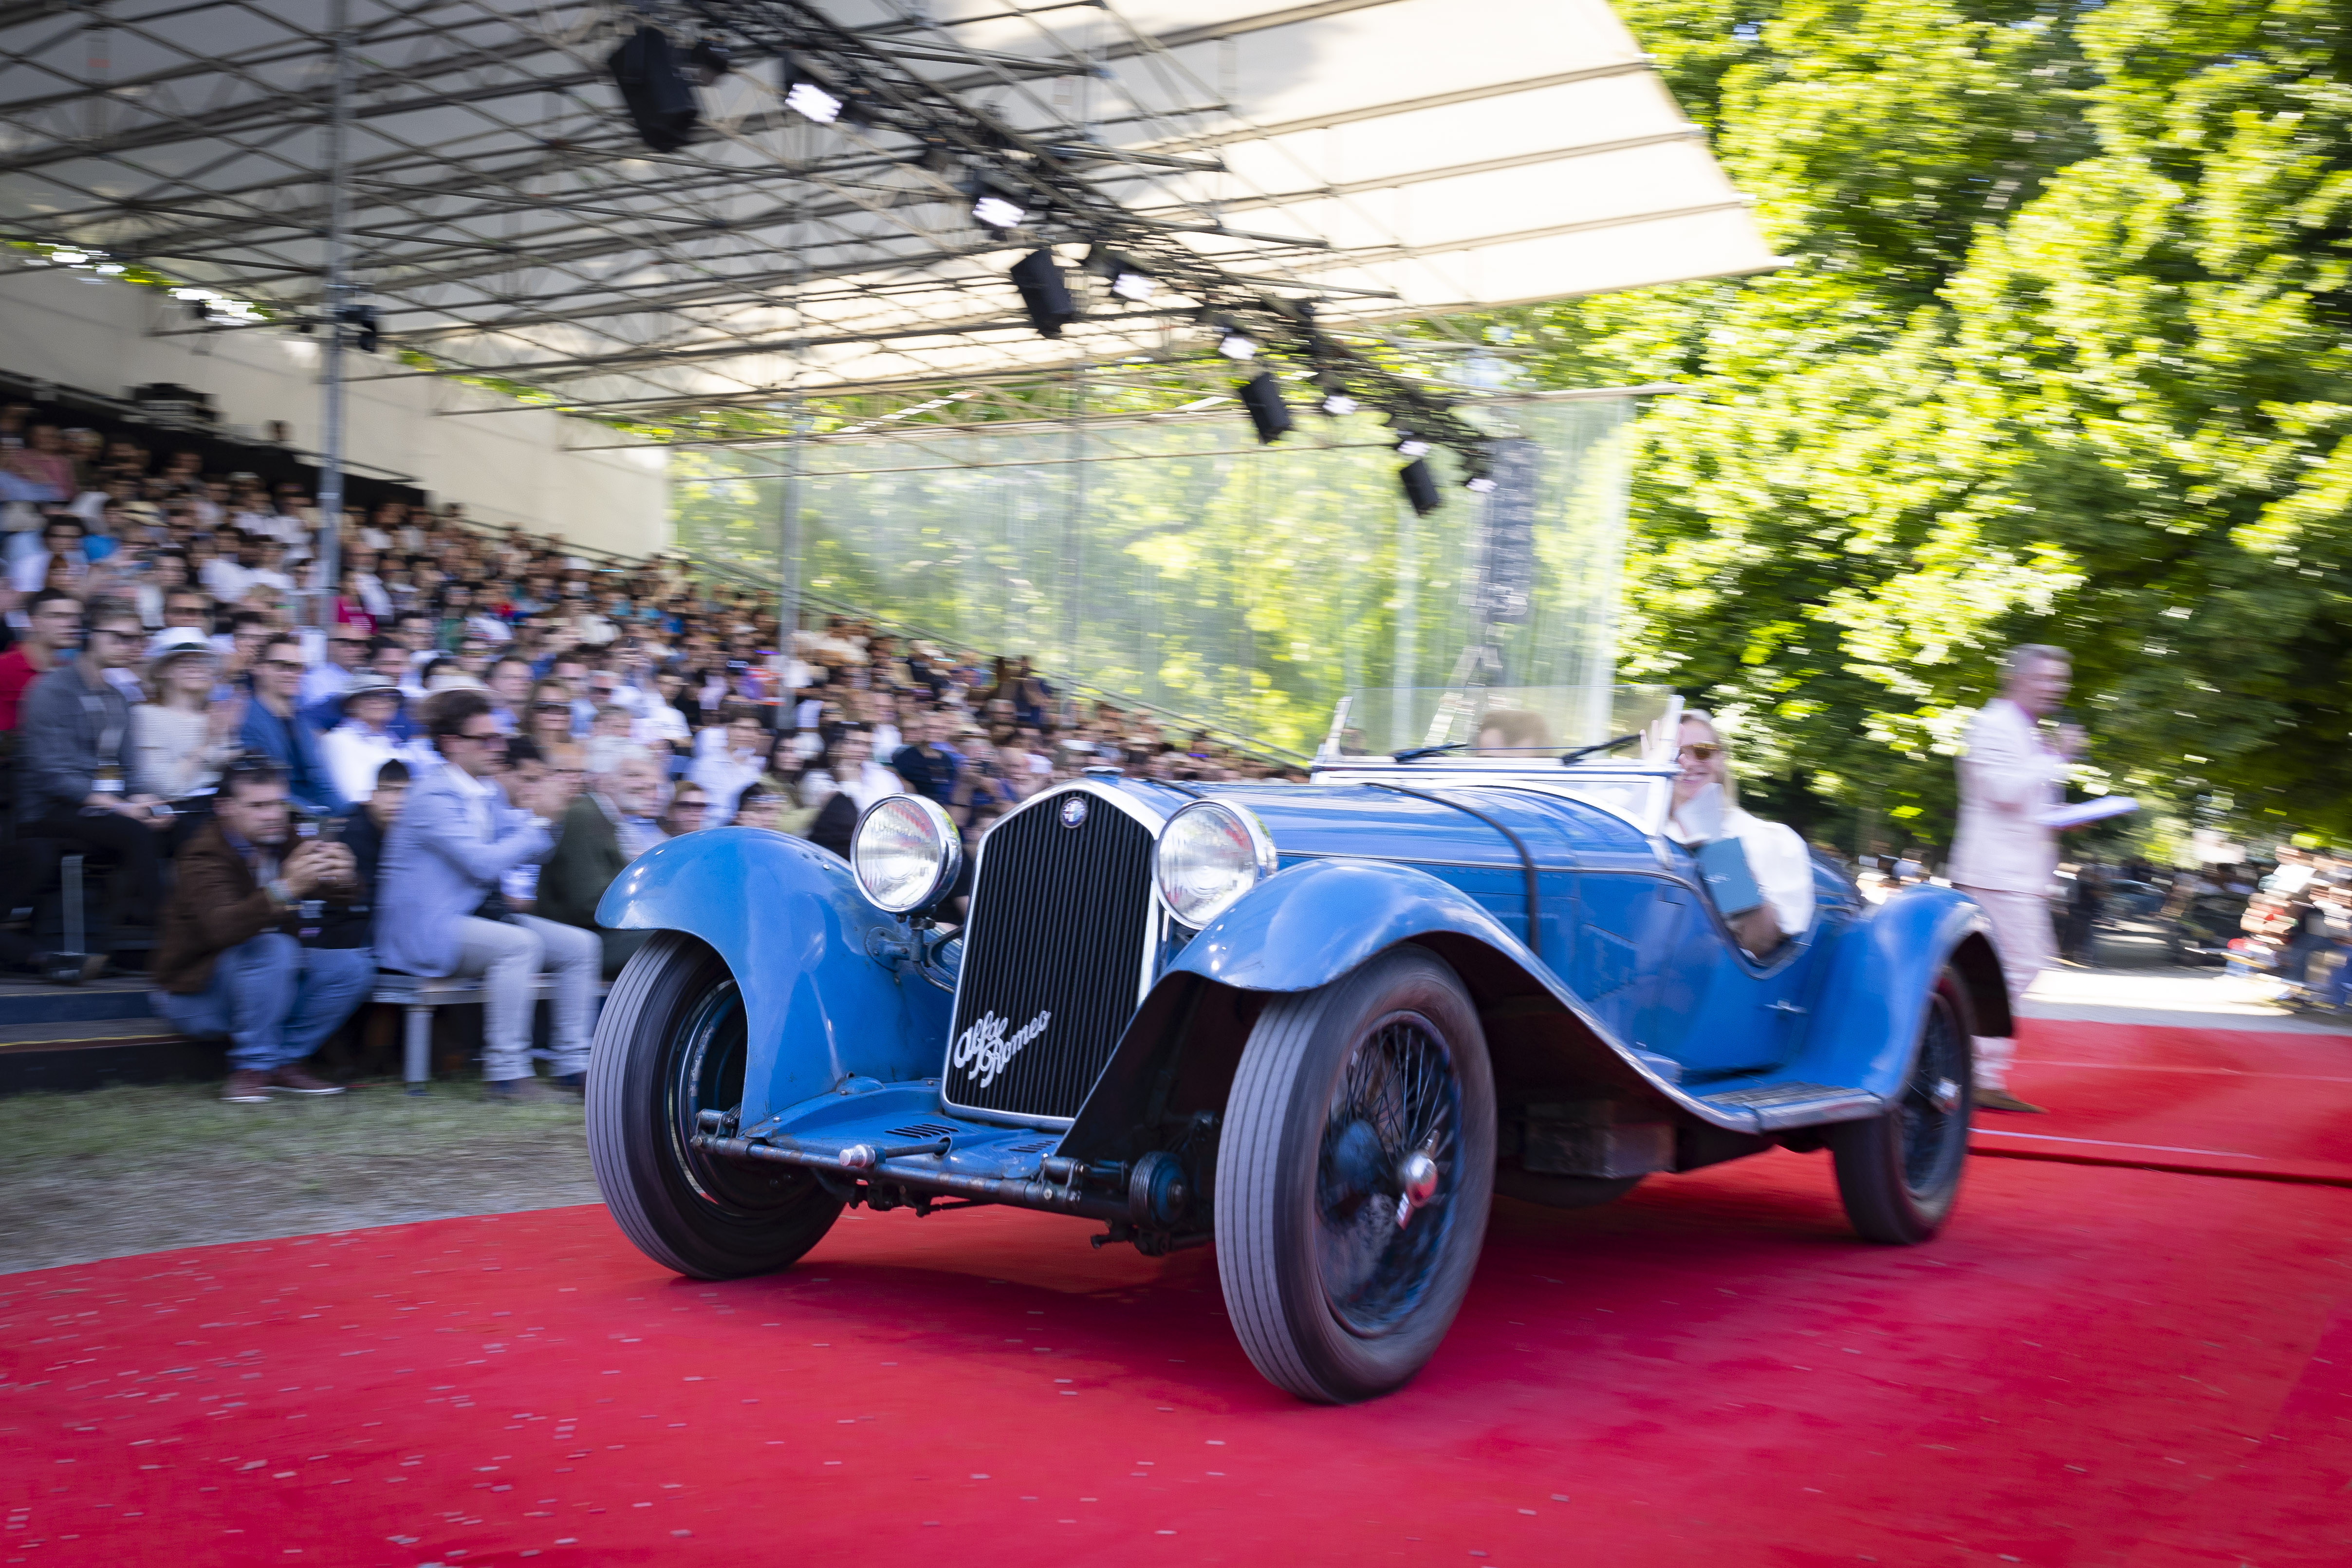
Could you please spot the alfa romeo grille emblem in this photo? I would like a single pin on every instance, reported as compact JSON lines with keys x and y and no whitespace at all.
{"x":985,"y":1049}
{"x":1074,"y":809}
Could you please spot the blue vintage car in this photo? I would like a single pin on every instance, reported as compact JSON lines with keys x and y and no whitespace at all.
{"x":1315,"y":1026}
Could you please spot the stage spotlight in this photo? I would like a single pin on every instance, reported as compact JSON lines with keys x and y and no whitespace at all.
{"x":1044,"y":294}
{"x":995,"y":205}
{"x":1262,"y":395}
{"x":1127,"y":280}
{"x":361,"y":320}
{"x":709,"y":61}
{"x":1420,"y":486}
{"x":660,"y":103}
{"x":805,"y":96}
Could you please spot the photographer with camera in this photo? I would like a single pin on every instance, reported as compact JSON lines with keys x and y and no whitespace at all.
{"x":236,"y":957}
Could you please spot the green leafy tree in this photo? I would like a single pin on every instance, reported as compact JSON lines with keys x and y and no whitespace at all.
{"x":2058,"y":357}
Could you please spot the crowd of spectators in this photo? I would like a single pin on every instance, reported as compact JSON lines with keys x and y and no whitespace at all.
{"x":436,"y":762}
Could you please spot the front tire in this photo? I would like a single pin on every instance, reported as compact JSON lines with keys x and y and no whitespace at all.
{"x":671,"y":1043}
{"x":1899,"y":1173}
{"x":1348,"y":1097}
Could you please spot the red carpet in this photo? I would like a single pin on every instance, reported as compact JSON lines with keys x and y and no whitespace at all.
{"x":2227,"y":1102}
{"x":2092,"y":1366}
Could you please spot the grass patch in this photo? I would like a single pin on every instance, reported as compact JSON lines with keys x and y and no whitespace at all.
{"x":135,"y":1170}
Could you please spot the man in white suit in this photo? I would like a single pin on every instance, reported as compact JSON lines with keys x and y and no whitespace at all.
{"x":2003,"y":856}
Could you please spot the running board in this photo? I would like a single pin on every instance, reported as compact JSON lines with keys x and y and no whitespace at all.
{"x":1776,"y":1107}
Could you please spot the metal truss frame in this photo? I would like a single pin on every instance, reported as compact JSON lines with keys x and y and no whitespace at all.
{"x":512,"y":232}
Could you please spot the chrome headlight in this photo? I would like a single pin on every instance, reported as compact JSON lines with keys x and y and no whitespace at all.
{"x":906,"y":853}
{"x":1209,"y":854}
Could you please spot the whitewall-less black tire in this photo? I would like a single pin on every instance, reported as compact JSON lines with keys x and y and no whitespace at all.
{"x":671,"y":1044}
{"x":1349,"y":1101}
{"x":1899,"y":1173}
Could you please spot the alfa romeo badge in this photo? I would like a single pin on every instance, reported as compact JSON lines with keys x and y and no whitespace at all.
{"x":1074,"y":811}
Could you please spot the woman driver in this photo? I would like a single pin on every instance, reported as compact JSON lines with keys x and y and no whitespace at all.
{"x":1775,"y":855}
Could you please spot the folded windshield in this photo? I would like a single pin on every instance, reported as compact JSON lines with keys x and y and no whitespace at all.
{"x":1476,"y":726}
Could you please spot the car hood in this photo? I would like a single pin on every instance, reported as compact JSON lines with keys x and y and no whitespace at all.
{"x":1315,"y":820}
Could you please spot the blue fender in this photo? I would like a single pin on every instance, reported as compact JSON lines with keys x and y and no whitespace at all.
{"x":802,"y":941}
{"x":1314,"y":922}
{"x":1874,"y":996}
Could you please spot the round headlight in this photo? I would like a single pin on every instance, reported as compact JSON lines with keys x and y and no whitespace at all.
{"x":1209,"y":854}
{"x":906,"y":853}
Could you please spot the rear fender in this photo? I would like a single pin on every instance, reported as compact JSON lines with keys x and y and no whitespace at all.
{"x":1876,"y":994}
{"x":826,"y":1002}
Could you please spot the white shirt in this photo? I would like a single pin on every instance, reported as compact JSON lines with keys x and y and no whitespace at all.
{"x":1777,"y":859}
{"x":355,"y":755}
{"x":225,"y":579}
{"x":323,"y":681}
{"x":722,"y":778}
{"x":661,"y":722}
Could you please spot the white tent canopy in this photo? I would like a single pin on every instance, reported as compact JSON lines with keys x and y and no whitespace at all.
{"x":1382,"y":158}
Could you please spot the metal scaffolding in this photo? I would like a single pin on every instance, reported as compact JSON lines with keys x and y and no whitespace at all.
{"x":512,"y":230}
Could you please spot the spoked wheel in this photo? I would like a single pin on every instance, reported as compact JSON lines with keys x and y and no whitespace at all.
{"x":1899,"y":1173}
{"x":672,"y":1043}
{"x":1353,"y":1177}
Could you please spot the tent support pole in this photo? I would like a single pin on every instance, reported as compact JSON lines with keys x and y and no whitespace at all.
{"x":328,"y":565}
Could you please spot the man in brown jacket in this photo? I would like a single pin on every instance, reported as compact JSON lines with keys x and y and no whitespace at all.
{"x":232,"y":959}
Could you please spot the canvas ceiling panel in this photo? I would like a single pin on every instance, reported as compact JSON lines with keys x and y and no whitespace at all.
{"x":498,"y":185}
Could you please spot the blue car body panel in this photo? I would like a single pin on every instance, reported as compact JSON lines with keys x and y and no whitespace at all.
{"x":848,"y":1043}
{"x":802,"y":941}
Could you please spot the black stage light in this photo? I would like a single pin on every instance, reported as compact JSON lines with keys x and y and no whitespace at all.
{"x":1420,"y":486}
{"x":804,"y":94}
{"x":360,"y":320}
{"x":709,"y":61}
{"x":1262,"y":395}
{"x":1127,"y":280}
{"x":1044,"y":294}
{"x":996,"y":205}
{"x":660,"y":103}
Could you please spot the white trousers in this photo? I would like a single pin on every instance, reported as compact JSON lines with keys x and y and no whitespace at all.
{"x":508,"y":957}
{"x":2022,"y":935}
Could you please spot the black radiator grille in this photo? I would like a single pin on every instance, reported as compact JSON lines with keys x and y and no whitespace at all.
{"x":1059,"y":918}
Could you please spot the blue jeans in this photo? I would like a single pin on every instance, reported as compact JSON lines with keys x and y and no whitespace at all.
{"x":2339,"y":984}
{"x":276,"y":999}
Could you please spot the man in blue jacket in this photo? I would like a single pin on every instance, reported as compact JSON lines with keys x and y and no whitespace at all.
{"x":457,"y":833}
{"x":275,"y":728}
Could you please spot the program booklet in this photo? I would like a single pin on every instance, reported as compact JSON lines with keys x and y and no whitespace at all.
{"x":1723,"y":866}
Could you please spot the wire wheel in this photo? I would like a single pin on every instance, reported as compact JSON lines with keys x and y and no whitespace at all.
{"x":1354,"y":1172}
{"x":1899,"y":1173}
{"x":1397,"y":1098}
{"x":1933,"y":1107}
{"x":674,"y":1041}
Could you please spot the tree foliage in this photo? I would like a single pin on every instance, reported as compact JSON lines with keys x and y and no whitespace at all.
{"x":2059,"y":357}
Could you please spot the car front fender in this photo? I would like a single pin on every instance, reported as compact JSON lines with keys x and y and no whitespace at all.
{"x":825,"y":1000}
{"x":1312,"y":922}
{"x":1876,"y":994}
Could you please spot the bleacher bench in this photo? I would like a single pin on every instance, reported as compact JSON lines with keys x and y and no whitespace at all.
{"x":419,"y":995}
